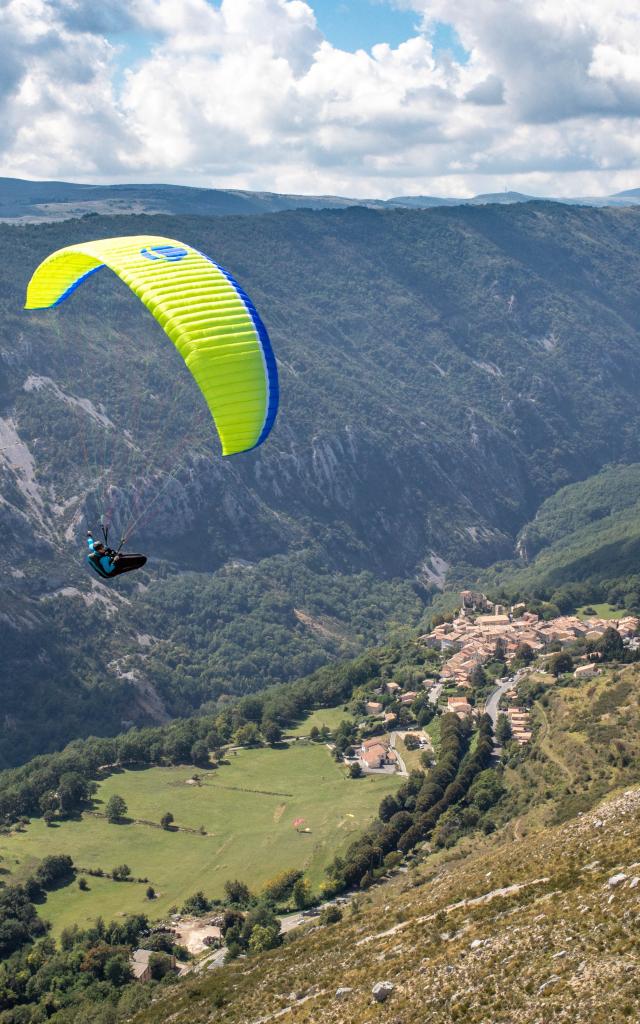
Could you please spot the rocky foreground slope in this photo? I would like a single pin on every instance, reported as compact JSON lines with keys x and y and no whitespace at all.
{"x":521,"y":929}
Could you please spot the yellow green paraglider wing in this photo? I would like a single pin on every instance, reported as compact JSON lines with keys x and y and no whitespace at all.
{"x":211,"y":321}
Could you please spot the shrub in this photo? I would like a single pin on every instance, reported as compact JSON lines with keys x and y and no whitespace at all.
{"x":263,"y":938}
{"x":160,"y":964}
{"x":197,"y":904}
{"x":54,"y":869}
{"x":237,"y":892}
{"x":281,"y":887}
{"x":116,"y":808}
{"x":330,"y":914}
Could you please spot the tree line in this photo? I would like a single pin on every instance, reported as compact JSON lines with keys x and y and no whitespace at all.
{"x":60,"y":784}
{"x":85,"y":976}
{"x":411,"y":816}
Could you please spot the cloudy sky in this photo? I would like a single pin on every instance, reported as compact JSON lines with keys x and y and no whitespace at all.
{"x":355,"y":97}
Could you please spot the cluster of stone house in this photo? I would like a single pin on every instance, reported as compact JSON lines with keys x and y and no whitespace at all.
{"x":376,"y":753}
{"x":519,"y":719}
{"x":375,"y":708}
{"x":460,"y":706}
{"x":481,"y":627}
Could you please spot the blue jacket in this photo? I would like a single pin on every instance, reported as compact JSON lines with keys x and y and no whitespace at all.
{"x":101,"y":563}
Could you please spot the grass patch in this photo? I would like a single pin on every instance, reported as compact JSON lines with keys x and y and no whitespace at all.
{"x":247,"y":808}
{"x":433,"y":730}
{"x":331,"y":717}
{"x":411,"y":758}
{"x":603,"y":611}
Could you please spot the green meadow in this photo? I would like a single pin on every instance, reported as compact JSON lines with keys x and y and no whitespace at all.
{"x":247,"y":809}
{"x":603,"y":611}
{"x":331,"y":717}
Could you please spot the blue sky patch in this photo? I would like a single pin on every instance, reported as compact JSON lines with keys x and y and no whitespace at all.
{"x":445,"y":39}
{"x":360,"y":24}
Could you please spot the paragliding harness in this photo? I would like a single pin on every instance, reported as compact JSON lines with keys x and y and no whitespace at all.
{"x":117,"y":562}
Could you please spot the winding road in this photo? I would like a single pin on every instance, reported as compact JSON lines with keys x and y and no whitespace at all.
{"x":492,"y":701}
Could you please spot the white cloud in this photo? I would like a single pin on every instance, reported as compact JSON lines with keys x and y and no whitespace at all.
{"x":548,"y":53}
{"x":58,"y":110}
{"x":489,"y":93}
{"x":249,"y":94}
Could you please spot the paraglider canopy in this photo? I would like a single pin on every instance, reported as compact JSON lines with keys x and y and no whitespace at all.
{"x":209,"y":318}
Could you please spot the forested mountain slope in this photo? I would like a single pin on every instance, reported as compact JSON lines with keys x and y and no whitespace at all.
{"x":442,"y":373}
{"x":583,"y":545}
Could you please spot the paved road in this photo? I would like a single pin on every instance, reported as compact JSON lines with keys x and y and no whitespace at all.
{"x":290,"y":921}
{"x":401,"y":764}
{"x":435,"y":692}
{"x":491,"y":705}
{"x":210,"y":963}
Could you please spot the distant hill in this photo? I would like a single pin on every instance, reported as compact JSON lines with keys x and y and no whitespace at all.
{"x":488,"y":199}
{"x":501,"y":197}
{"x":60,"y":200}
{"x":423,"y":202}
{"x":39,"y":201}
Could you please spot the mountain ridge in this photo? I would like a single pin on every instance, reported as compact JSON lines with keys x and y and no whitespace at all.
{"x":27,"y":201}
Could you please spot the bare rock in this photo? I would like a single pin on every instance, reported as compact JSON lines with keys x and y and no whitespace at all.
{"x":616,"y":880}
{"x":382,"y":990}
{"x":343,"y":993}
{"x":550,"y":981}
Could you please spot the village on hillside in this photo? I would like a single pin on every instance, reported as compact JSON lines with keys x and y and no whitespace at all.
{"x":479,"y":633}
{"x":481,"y":626}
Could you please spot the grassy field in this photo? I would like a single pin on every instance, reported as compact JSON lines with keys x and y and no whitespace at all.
{"x":331,"y":717}
{"x":247,"y":809}
{"x":411,"y":758}
{"x":603,"y":611}
{"x":433,"y":730}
